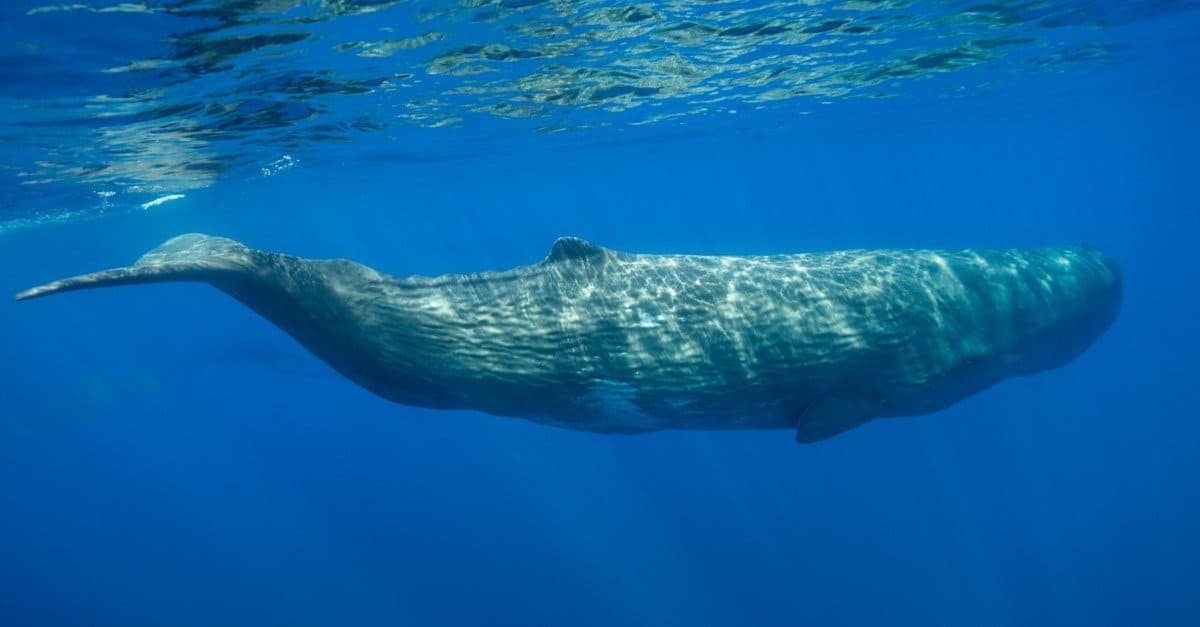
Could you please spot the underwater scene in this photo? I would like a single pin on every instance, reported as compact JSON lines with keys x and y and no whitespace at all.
{"x":591,"y":313}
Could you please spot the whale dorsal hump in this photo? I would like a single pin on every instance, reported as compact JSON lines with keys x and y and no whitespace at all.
{"x":574,"y":248}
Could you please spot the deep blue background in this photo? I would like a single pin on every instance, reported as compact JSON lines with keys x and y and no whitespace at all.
{"x":167,"y":458}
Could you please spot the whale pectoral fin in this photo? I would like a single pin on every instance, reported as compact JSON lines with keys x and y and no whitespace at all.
{"x":827,"y":417}
{"x":191,"y":257}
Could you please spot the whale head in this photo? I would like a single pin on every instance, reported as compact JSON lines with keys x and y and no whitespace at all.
{"x":1064,"y":301}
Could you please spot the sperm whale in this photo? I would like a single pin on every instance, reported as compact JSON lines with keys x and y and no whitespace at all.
{"x":601,"y":340}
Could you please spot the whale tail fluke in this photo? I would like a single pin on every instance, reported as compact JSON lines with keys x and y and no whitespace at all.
{"x":191,"y":257}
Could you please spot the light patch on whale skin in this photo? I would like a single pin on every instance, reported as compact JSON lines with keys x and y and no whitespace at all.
{"x":646,"y":322}
{"x":438,"y":304}
{"x":613,"y":402}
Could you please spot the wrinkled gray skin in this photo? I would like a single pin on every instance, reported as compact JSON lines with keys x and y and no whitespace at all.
{"x":600,"y":340}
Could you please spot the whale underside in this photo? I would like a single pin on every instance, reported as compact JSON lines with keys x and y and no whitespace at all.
{"x":601,"y":340}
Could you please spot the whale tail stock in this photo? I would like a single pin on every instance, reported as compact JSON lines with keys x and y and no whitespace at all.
{"x":294,"y":294}
{"x":191,"y":257}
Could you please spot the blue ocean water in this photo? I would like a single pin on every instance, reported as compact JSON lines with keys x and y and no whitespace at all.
{"x":169,"y":458}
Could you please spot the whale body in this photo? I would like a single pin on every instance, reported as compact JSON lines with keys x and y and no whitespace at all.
{"x":601,"y":340}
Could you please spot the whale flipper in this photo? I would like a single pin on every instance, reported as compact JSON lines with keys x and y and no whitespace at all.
{"x":191,"y":257}
{"x":828,"y":417}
